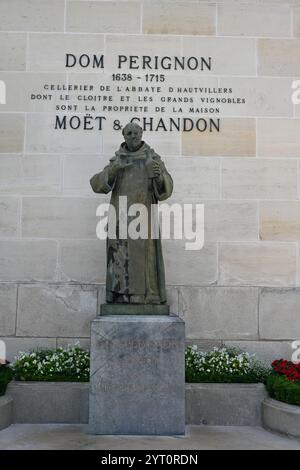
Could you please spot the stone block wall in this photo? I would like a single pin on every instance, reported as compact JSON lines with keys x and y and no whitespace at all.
{"x":243,"y":287}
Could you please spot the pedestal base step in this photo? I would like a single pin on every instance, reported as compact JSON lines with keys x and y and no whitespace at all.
{"x":134,"y":309}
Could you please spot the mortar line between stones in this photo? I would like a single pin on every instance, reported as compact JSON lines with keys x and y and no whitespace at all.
{"x":297,"y":264}
{"x":258,"y":314}
{"x":27,"y":53}
{"x":161,"y":36}
{"x":26,"y":70}
{"x":258,"y":220}
{"x":256,"y":56}
{"x":25,"y":134}
{"x":224,"y":242}
{"x":298,"y":181}
{"x":141,"y":16}
{"x":168,"y":115}
{"x":58,"y":261}
{"x":172,"y":74}
{"x":256,"y":137}
{"x":65,"y":16}
{"x":93,"y":287}
{"x":98,"y":299}
{"x":181,"y":133}
{"x":221,"y":159}
{"x":62,"y":175}
{"x":17,"y":302}
{"x":21,"y":218}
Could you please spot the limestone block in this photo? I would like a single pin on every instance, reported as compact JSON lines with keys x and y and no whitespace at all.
{"x":278,"y":137}
{"x":11,"y":133}
{"x":65,"y":342}
{"x":298,"y":265}
{"x":163,"y":142}
{"x":83,"y":260}
{"x":230,"y":221}
{"x":59,"y":217}
{"x":278,"y":57}
{"x":258,"y":264}
{"x":195,"y":179}
{"x":137,"y":375}
{"x":203,"y":344}
{"x":265,"y":96}
{"x":77,"y":173}
{"x":56,"y":311}
{"x":280,"y":220}
{"x":21,"y":260}
{"x":9,"y":216}
{"x":111,"y":94}
{"x":279,"y":314}
{"x":230,"y":56}
{"x":225,"y":404}
{"x":47,"y":52}
{"x":13,"y":51}
{"x":236,"y":138}
{"x":180,"y":18}
{"x":30,"y":174}
{"x":133,"y":45}
{"x":105,"y":17}
{"x":219,"y":312}
{"x":223,"y":220}
{"x":32,"y":15}
{"x":50,"y":402}
{"x":8,"y":309}
{"x":296,"y":20}
{"x":265,"y":351}
{"x":42,"y":137}
{"x":23,"y":89}
{"x":252,"y":19}
{"x":196,"y":266}
{"x":259,"y":179}
{"x":15,"y":345}
{"x":176,"y":86}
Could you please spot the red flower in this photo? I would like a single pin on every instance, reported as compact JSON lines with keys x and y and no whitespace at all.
{"x":287,"y":368}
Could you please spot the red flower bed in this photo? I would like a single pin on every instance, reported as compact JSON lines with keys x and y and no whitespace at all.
{"x":289,"y":369}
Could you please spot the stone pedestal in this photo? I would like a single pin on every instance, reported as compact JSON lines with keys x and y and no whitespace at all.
{"x":137,"y":375}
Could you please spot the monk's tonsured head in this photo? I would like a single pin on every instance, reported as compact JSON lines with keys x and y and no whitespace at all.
{"x":132,"y":133}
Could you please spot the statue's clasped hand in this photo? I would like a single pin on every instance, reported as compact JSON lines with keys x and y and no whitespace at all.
{"x":115,"y":167}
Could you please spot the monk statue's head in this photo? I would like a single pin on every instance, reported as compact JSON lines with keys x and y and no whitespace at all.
{"x":132,"y":133}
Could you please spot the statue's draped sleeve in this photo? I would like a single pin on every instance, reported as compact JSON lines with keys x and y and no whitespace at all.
{"x":103,"y":182}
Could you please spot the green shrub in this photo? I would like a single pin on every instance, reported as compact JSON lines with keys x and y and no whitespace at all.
{"x":66,"y":365}
{"x":282,"y":389}
{"x":223,"y":365}
{"x":6,"y":375}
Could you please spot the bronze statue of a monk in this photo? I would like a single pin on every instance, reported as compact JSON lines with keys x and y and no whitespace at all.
{"x":135,"y":267}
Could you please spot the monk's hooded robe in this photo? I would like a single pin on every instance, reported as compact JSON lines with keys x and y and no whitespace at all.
{"x":135,"y":267}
